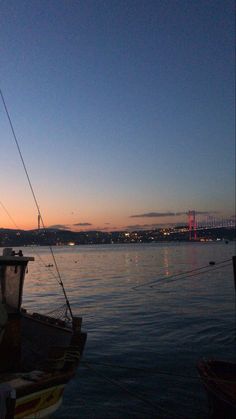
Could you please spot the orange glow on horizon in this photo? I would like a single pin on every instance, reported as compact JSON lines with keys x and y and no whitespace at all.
{"x":23,"y":215}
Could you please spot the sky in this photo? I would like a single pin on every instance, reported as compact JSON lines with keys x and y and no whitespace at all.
{"x":123,"y":110}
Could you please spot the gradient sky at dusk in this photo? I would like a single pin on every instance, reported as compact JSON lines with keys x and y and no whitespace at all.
{"x":121,"y":108}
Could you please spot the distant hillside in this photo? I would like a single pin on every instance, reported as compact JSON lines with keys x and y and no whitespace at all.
{"x":56,"y":237}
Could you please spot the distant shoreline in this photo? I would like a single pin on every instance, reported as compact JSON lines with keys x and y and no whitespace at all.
{"x":9,"y":238}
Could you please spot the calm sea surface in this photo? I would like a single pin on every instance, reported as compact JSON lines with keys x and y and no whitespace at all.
{"x":143,"y":343}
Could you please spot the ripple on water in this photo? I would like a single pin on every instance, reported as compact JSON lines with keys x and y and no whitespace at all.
{"x":167,"y":327}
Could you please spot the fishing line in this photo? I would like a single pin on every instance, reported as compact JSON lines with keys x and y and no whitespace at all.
{"x":178,"y":274}
{"x":132,"y":393}
{"x":156,"y":370}
{"x":198,"y":273}
{"x":32,"y":248}
{"x":147,"y":370}
{"x":36,"y":202}
{"x":9,"y":215}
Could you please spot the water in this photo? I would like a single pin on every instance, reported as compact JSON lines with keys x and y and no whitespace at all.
{"x":137,"y":334}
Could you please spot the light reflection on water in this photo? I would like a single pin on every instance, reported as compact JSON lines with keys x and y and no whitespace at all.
{"x":170,"y":325}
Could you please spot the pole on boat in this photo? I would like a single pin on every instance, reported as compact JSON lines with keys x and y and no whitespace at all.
{"x":234,"y":268}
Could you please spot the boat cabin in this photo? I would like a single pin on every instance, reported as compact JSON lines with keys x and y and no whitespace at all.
{"x":12,"y":273}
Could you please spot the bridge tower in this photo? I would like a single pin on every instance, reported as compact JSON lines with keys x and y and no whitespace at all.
{"x":192,"y":225}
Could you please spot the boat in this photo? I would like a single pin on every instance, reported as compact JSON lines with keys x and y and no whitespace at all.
{"x":219,"y":379}
{"x":39,"y":353}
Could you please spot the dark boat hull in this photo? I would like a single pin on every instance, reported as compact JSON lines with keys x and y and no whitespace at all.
{"x":49,"y":357}
{"x":45,"y":334}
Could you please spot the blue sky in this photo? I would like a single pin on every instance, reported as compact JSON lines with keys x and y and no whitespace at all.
{"x":121,"y":108}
